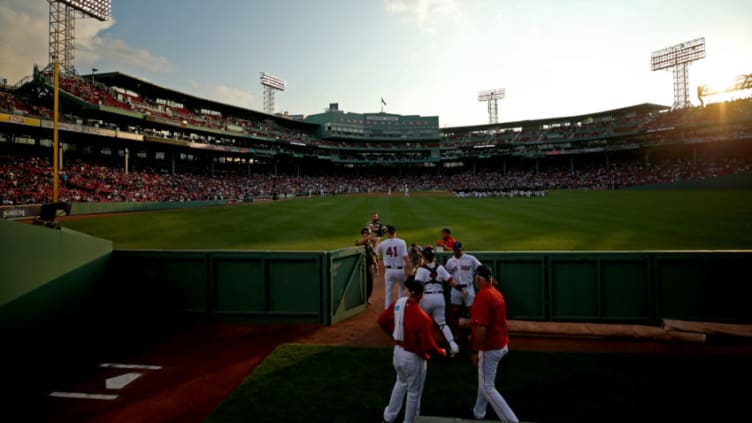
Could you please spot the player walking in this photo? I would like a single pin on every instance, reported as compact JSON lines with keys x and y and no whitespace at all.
{"x":488,"y":318}
{"x":434,"y":276}
{"x":462,"y":268}
{"x":394,"y":253}
{"x":412,"y":332}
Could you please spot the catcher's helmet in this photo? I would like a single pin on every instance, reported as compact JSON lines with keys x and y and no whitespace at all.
{"x":428,"y":253}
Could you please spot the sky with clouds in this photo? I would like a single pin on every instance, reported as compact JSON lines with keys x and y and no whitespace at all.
{"x":428,"y":57}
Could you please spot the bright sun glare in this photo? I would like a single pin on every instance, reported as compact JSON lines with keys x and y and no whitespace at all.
{"x":717,"y":77}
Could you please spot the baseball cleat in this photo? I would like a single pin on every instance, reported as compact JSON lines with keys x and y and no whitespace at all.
{"x":470,"y":415}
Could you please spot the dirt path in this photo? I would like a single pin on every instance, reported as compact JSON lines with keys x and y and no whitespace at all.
{"x":360,"y":330}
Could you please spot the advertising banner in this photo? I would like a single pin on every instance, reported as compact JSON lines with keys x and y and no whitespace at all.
{"x":20,"y":212}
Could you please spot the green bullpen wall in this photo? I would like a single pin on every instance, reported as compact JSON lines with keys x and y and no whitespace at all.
{"x":48,"y":303}
{"x":325,"y":287}
{"x":630,"y":287}
{"x":46,"y":274}
{"x":321,"y":287}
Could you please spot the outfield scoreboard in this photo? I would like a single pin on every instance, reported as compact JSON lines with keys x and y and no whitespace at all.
{"x":379,"y":126}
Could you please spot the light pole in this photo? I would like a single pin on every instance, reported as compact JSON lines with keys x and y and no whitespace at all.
{"x":93,"y":70}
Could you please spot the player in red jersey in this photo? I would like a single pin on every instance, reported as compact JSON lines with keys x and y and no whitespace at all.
{"x":488,"y":318}
{"x":412,"y":331}
{"x":447,"y":240}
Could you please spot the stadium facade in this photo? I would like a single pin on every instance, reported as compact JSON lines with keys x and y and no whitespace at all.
{"x":336,"y":124}
{"x":130,"y":121}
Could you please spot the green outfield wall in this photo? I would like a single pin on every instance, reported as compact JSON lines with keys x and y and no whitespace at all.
{"x":27,"y":211}
{"x":96,"y":208}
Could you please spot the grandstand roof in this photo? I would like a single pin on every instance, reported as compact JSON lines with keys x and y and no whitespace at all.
{"x":152,"y":90}
{"x":639,"y":108}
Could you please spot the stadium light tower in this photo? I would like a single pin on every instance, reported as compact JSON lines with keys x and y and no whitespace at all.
{"x":492,"y":97}
{"x":677,"y":58}
{"x":63,"y":14}
{"x":271,"y":85}
{"x":62,"y":35}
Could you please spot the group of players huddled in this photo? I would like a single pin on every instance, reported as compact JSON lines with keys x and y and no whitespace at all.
{"x":424,"y":286}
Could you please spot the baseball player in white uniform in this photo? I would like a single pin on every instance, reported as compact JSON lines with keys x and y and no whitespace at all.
{"x":396,"y":264}
{"x":462,"y":268}
{"x":434,"y":276}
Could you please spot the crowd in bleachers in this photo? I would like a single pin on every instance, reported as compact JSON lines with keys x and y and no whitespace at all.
{"x":28,"y":179}
{"x":581,"y":130}
{"x":716,"y":112}
{"x":183,"y":121}
{"x":174,"y":113}
{"x":12,"y":104}
{"x":25,"y":180}
{"x":621,"y":175}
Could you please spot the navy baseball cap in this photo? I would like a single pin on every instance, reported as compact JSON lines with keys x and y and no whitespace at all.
{"x":484,"y":272}
{"x":365,"y":231}
{"x":415,"y":287}
{"x":457,"y":246}
{"x":391,"y":229}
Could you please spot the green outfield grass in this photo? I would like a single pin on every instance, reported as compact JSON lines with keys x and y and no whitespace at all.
{"x":300,"y":383}
{"x":579,"y":220}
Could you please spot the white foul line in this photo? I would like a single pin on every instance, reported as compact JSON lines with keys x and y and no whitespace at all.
{"x":130,"y":366}
{"x":120,"y":382}
{"x":82,"y":395}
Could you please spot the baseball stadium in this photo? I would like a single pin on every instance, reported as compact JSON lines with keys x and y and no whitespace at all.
{"x":168,"y":257}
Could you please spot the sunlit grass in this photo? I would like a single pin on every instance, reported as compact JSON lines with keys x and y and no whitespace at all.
{"x":579,"y":220}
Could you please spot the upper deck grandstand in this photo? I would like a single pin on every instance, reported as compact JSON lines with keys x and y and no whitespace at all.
{"x":118,"y":131}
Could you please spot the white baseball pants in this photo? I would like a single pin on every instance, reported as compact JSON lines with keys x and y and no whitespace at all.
{"x":392,"y":276}
{"x":411,"y":377}
{"x":459,"y":298}
{"x":488,"y":363}
{"x":435,"y":306}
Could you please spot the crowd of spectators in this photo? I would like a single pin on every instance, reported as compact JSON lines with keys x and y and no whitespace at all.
{"x":581,"y":130}
{"x":176,"y":114}
{"x":184,"y":123}
{"x":10,"y":103}
{"x":27,"y":180}
{"x":614,"y":176}
{"x":723,"y":112}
